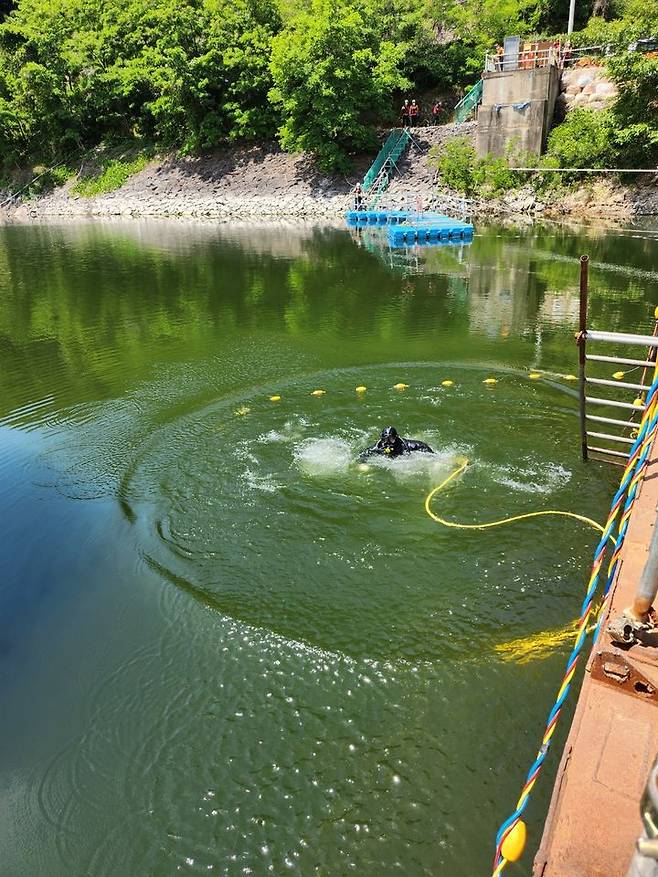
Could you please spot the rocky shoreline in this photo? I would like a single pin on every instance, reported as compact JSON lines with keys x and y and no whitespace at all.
{"x":264,"y":182}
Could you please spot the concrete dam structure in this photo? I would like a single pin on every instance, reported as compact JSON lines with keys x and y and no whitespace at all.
{"x":517,"y":109}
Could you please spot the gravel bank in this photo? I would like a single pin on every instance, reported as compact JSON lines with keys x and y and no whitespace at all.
{"x":265,"y":182}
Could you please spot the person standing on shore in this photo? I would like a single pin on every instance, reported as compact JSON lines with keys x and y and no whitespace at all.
{"x":414,"y":110}
{"x":437,"y":111}
{"x":405,"y":114}
{"x":358,"y":197}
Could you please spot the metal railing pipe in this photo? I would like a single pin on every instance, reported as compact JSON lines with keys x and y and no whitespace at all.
{"x":619,"y":360}
{"x":612,"y":438}
{"x":648,"y":587}
{"x":613,"y":403}
{"x":623,"y":338}
{"x":607,"y":451}
{"x":606,"y":383}
{"x":581,"y":339}
{"x":612,"y":421}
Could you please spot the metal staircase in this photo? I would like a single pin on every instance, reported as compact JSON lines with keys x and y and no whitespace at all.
{"x":377,"y":179}
{"x":468,"y":104}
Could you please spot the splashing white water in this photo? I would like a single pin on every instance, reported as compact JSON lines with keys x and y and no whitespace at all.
{"x":539,"y":478}
{"x":324,"y":456}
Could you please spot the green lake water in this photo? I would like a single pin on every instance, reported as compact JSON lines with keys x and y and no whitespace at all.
{"x":224,"y":647}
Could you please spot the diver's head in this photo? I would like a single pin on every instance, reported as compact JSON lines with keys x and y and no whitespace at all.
{"x":390,"y":438}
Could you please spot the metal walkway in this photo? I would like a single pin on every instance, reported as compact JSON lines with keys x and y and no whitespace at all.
{"x":379,"y":175}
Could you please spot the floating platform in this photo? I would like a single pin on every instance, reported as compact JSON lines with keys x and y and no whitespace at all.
{"x":429,"y":232}
{"x":411,"y":227}
{"x":379,"y":217}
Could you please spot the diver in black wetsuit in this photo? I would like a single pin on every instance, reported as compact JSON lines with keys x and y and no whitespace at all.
{"x":392,"y":445}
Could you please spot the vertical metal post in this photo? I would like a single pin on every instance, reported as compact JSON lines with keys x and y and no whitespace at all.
{"x":572,"y":15}
{"x":582,"y":341}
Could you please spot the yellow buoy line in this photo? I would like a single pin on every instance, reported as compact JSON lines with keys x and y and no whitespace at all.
{"x":490,"y":381}
{"x":400,"y":386}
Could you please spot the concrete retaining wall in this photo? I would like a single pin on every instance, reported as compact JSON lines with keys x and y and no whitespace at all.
{"x":517,"y":106}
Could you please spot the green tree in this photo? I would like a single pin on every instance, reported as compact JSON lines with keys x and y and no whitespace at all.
{"x":584,"y":139}
{"x":635,"y":112}
{"x":192,"y":73}
{"x":333,"y":78}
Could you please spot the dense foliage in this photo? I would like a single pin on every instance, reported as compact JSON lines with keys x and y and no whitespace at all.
{"x":334,"y":76}
{"x":462,"y":170}
{"x":192,"y":74}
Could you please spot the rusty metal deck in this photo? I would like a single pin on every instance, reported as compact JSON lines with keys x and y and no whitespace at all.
{"x":594,"y":817}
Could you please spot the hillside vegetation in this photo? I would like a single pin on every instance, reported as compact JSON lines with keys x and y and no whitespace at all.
{"x":317,"y":75}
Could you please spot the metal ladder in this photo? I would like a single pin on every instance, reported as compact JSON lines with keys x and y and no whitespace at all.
{"x":647,"y":363}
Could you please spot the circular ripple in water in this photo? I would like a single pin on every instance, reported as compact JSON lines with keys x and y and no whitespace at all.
{"x":261,"y":511}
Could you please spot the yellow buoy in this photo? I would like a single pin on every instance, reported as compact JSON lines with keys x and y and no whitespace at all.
{"x":242,"y":410}
{"x":655,"y":313}
{"x":360,"y":389}
{"x":490,"y":381}
{"x":534,"y":376}
{"x":318,"y":392}
{"x":618,"y":375}
{"x":447,"y":383}
{"x":638,"y":403}
{"x":570,"y":377}
{"x":400,"y":386}
{"x":514,"y":843}
{"x":275,"y":398}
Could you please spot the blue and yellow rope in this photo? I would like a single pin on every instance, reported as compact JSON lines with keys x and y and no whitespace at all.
{"x":628,"y":488}
{"x":621,"y":503}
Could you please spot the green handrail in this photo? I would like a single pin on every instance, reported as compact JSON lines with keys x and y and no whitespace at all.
{"x":382,"y":155}
{"x":397,"y":142}
{"x":468,"y":103}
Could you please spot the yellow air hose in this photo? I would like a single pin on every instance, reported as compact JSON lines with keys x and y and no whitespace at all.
{"x":538,"y":645}
{"x":457,"y":526}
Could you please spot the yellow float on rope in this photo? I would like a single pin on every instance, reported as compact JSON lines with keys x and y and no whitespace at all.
{"x":514,"y":844}
{"x":490,"y":381}
{"x":570,"y":377}
{"x":360,"y":389}
{"x":534,"y":376}
{"x":318,"y":392}
{"x":655,"y":313}
{"x":447,"y":383}
{"x":400,"y":386}
{"x":638,"y":403}
{"x":275,"y":398}
{"x":618,"y":375}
